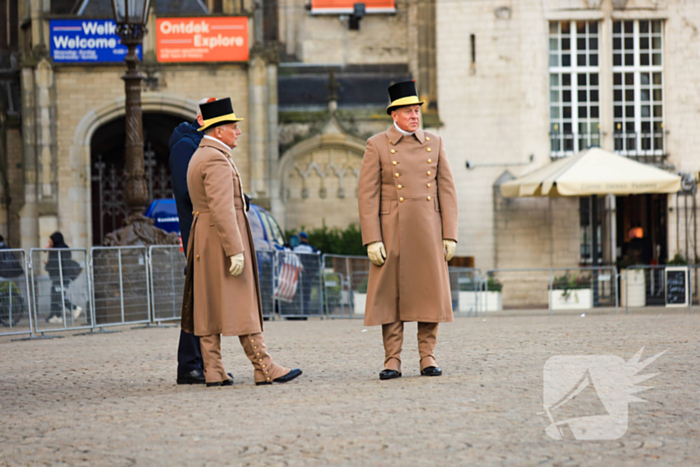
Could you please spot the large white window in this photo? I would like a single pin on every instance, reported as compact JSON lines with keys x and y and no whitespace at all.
{"x":574,"y":80}
{"x":638,"y":88}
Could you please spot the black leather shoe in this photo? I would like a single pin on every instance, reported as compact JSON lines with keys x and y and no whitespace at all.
{"x":389,"y":374}
{"x":282,"y":379}
{"x":228,"y":382}
{"x":431,"y":371}
{"x":193,"y":377}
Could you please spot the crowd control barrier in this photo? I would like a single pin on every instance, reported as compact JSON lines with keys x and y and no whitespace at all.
{"x":298,"y":290}
{"x":61,"y":289}
{"x":658,"y":288}
{"x":121,"y":292}
{"x":345,"y":285}
{"x":167,"y":267}
{"x":15,"y":303}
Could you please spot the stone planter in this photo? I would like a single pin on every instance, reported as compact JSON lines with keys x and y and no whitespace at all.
{"x":487,"y":301}
{"x":633,"y":286}
{"x":359,"y":302}
{"x":574,"y":299}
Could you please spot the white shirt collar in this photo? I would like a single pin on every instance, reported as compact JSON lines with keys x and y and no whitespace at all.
{"x":220,"y":142}
{"x":405,"y":133}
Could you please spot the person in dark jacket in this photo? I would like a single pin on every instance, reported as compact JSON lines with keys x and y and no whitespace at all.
{"x":183,"y":143}
{"x":61,"y":273}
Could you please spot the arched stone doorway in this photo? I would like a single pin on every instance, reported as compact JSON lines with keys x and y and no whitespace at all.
{"x":80,"y":153}
{"x":107,"y":154}
{"x":318,"y":180}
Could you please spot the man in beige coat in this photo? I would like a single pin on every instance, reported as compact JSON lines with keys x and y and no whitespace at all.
{"x":408,"y":213}
{"x":222,"y":293}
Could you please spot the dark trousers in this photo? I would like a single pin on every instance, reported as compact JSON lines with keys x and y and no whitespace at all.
{"x":56,"y":306}
{"x":189,"y":353}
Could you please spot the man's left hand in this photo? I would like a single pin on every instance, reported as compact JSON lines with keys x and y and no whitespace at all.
{"x":236,"y":264}
{"x":449,"y":248}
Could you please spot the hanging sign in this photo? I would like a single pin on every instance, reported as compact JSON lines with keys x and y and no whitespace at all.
{"x":345,"y":7}
{"x":208,"y":39}
{"x":91,"y":41}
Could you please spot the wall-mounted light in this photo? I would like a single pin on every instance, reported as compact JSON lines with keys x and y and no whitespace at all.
{"x":472,"y":165}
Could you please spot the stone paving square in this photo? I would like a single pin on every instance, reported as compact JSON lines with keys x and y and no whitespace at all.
{"x":112,"y":399}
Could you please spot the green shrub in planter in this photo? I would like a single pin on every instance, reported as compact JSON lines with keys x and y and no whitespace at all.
{"x":493,"y":285}
{"x":567,"y":283}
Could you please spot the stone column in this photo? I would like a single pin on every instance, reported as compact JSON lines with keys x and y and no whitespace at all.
{"x":273,"y":158}
{"x":257,"y":128}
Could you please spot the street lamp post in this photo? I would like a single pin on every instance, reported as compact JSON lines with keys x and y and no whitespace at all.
{"x":131,"y":17}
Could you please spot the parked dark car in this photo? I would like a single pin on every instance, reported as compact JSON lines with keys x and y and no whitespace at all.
{"x":267,"y":238}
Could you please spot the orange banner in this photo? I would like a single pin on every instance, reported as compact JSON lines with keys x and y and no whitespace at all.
{"x":211,"y":39}
{"x":346,"y":6}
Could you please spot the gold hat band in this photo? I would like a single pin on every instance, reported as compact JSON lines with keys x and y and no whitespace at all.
{"x":409,"y":100}
{"x":224,"y":118}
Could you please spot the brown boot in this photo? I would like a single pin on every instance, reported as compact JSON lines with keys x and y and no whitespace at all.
{"x":265,"y":369}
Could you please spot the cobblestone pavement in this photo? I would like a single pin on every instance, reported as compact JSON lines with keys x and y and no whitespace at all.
{"x":112,"y":399}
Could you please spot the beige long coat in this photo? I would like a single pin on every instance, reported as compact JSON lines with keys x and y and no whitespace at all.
{"x":408,"y":200}
{"x":221,"y":303}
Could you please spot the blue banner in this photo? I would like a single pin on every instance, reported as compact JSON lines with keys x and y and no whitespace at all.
{"x":93,"y":41}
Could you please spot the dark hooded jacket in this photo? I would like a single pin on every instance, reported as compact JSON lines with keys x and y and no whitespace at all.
{"x":183,"y":143}
{"x":52,"y":265}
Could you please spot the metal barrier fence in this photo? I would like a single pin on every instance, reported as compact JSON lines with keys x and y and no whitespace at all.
{"x":121,"y":292}
{"x":266,"y":277}
{"x":550,"y":289}
{"x":298,"y":290}
{"x":659,"y":287}
{"x":61,"y":289}
{"x":345,"y":285}
{"x":67,"y":289}
{"x":167,"y":264}
{"x":466,"y":289}
{"x":15,"y":303}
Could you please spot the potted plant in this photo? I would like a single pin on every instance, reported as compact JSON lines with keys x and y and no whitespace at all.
{"x":359,"y":297}
{"x":632,"y":280}
{"x":571,"y":292}
{"x":492,"y":296}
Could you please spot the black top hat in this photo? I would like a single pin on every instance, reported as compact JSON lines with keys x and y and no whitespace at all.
{"x":219,"y":111}
{"x":403,"y":94}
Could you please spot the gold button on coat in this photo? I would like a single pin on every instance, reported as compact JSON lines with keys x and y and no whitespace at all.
{"x":393,"y":151}
{"x":394,"y":162}
{"x":428,"y":185}
{"x":197,"y":256}
{"x":399,"y":187}
{"x":401,"y":200}
{"x":429,"y":198}
{"x":197,"y":213}
{"x":428,"y":172}
{"x":429,"y":149}
{"x":396,"y":175}
{"x":430,"y":161}
{"x":427,"y":138}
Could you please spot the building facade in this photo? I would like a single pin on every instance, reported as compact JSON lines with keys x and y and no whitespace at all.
{"x":521,"y":84}
{"x":312,"y":89}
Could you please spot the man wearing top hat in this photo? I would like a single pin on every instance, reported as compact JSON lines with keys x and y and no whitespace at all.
{"x":222,"y":293}
{"x":408,"y":213}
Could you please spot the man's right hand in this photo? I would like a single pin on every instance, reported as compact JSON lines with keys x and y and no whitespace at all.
{"x":376,"y":253}
{"x":236,"y":264}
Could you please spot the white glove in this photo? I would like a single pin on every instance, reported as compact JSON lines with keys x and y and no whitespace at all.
{"x":376,"y":253}
{"x":236,"y":264}
{"x":449,"y":248}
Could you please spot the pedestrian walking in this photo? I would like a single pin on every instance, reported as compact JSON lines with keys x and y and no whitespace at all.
{"x":222,"y":292}
{"x":408,"y":213}
{"x":183,"y":143}
{"x":62,"y":272}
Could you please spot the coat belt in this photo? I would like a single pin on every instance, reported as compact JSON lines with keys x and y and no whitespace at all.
{"x":237,"y":203}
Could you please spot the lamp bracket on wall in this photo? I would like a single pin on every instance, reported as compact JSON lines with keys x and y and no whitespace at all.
{"x":472,"y":165}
